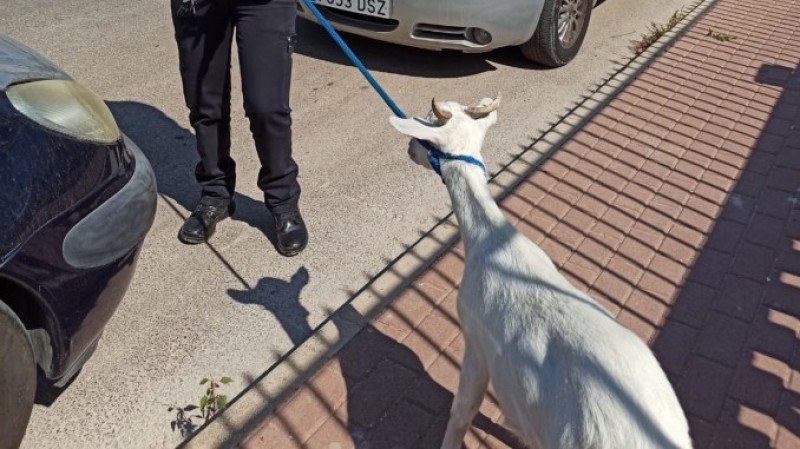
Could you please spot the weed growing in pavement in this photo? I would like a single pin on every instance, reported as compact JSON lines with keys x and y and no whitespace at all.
{"x":722,"y":37}
{"x":655,"y":31}
{"x":211,"y":403}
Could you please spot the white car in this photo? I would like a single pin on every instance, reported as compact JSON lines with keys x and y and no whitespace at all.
{"x":549,"y":32}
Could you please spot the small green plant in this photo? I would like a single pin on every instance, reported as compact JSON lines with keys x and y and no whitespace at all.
{"x":212,"y":402}
{"x":722,"y":37}
{"x":655,"y":31}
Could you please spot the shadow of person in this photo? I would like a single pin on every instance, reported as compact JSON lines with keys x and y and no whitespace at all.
{"x":282,"y":299}
{"x":391,"y":401}
{"x":171,"y":151}
{"x":169,"y":147}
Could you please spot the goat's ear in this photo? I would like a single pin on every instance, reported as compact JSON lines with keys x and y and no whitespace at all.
{"x":417,"y":129}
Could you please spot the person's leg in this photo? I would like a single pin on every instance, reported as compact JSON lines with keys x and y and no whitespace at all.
{"x":204,"y":50}
{"x":265,"y":36}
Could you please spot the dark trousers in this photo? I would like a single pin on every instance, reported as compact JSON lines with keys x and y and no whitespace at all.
{"x":265,"y":37}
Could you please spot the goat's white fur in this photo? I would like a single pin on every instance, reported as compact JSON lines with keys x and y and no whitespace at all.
{"x":565,"y":373}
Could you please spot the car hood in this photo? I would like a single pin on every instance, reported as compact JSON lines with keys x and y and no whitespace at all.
{"x":19,"y":63}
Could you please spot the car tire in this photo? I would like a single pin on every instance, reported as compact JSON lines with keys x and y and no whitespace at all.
{"x":559,"y":35}
{"x":17,"y":379}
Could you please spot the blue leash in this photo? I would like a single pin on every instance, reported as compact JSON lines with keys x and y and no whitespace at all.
{"x":375,"y":85}
{"x":434,"y":155}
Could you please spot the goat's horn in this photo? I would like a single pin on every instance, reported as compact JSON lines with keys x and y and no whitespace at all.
{"x":442,"y":116}
{"x":478,"y":112}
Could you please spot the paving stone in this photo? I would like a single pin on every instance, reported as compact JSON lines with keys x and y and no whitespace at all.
{"x":754,"y":262}
{"x":271,"y":434}
{"x":400,"y":428}
{"x":363,"y":353}
{"x":726,"y":236}
{"x":332,"y":434}
{"x":722,"y":338}
{"x":711,"y":267}
{"x":741,"y":427}
{"x":703,"y":387}
{"x":369,"y":400}
{"x":673,"y":347}
{"x":701,"y":432}
{"x":740,"y":297}
{"x":774,"y":333}
{"x":759,"y":381}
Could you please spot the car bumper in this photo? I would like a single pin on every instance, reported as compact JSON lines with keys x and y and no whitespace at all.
{"x":80,"y":268}
{"x":442,"y":25}
{"x":105,"y":246}
{"x":117,"y":225}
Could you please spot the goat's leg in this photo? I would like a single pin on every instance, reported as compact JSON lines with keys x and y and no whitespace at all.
{"x":472,"y":385}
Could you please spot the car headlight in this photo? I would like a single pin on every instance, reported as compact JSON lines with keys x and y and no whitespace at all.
{"x":66,"y":107}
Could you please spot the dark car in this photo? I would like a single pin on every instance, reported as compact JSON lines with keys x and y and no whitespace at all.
{"x":77,"y":199}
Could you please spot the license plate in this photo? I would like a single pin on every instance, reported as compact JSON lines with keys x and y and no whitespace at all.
{"x":375,"y":8}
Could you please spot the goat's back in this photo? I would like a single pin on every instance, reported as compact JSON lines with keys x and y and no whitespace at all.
{"x":566,"y":374}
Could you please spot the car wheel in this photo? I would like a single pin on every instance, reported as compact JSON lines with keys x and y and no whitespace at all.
{"x":17,"y":379}
{"x":560,"y":32}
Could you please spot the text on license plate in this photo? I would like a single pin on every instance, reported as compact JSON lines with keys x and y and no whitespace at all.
{"x":377,"y":8}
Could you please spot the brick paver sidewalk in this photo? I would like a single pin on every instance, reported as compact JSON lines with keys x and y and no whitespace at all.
{"x":676,"y":207}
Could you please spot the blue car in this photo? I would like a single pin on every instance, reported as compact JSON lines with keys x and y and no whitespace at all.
{"x":77,"y":199}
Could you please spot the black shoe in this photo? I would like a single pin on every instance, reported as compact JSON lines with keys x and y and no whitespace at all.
{"x":292,"y":233}
{"x":200,"y":226}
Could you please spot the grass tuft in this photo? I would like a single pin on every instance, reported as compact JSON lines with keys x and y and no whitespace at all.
{"x":655,"y":31}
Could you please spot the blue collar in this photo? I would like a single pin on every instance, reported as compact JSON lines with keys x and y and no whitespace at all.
{"x":435,"y":158}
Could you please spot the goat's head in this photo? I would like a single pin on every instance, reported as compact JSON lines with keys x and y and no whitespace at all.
{"x":451,"y":128}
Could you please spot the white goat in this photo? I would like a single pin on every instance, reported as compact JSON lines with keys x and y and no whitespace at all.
{"x":565,"y":373}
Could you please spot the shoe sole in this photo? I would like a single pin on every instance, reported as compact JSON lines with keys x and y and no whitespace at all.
{"x":291,"y":253}
{"x":190,"y":240}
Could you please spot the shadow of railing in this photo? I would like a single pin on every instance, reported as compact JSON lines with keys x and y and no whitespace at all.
{"x":385,"y":397}
{"x":394,"y":326}
{"x":687,"y":230}
{"x":634,"y":214}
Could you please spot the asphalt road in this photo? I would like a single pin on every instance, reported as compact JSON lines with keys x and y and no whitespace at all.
{"x":234,"y":307}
